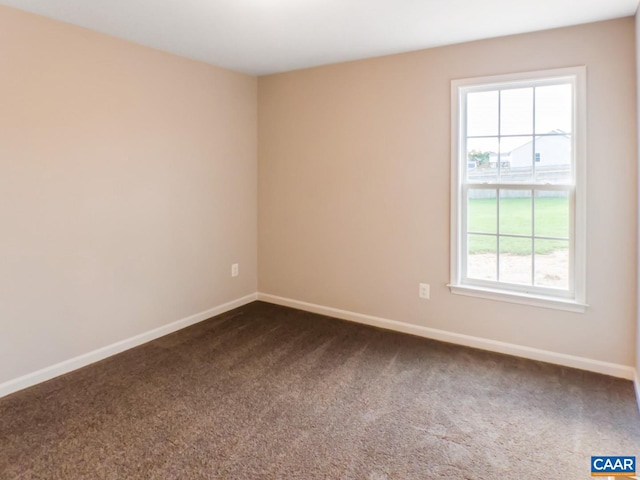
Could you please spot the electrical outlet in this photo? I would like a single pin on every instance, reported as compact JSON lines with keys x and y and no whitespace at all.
{"x":234,"y":270}
{"x":424,"y":291}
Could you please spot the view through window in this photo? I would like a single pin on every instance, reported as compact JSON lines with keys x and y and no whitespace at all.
{"x":517,"y":185}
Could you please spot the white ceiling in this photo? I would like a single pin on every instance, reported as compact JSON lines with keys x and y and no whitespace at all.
{"x":268,"y":36}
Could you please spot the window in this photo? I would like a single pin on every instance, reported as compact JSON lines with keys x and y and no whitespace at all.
{"x":518,"y":186}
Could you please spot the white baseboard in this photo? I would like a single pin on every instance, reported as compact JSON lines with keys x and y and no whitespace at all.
{"x":613,"y":369}
{"x":636,"y":382}
{"x":75,"y":363}
{"x":91,"y":357}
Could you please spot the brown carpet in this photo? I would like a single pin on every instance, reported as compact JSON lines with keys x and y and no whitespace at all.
{"x":269,"y":392}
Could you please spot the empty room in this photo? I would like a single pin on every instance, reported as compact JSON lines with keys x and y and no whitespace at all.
{"x":303,"y":239}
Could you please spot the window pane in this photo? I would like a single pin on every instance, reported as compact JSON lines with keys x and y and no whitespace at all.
{"x":515,"y":212}
{"x":516,"y":111}
{"x":553,"y":159}
{"x":480,"y":151}
{"x":554,"y":108}
{"x":515,"y":260}
{"x":482,"y":258}
{"x":482,"y":211}
{"x":551,"y":214}
{"x":552,"y":263}
{"x":517,"y":186}
{"x":516,"y":159}
{"x":482,"y":113}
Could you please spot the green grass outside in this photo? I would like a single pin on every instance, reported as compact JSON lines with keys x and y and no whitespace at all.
{"x":551,"y":220}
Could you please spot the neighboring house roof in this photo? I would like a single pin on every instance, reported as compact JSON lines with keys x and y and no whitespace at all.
{"x":552,"y":133}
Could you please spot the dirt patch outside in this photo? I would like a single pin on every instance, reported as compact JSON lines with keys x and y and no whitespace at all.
{"x":551,"y":270}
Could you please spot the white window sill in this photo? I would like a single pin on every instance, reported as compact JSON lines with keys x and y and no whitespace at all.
{"x":521,"y":298}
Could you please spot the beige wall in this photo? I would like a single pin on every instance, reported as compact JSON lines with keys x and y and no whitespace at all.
{"x":354,"y":171}
{"x":127,"y":189}
{"x":638,"y":139}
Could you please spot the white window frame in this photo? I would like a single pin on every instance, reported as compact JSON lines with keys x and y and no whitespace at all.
{"x":575,"y":299}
